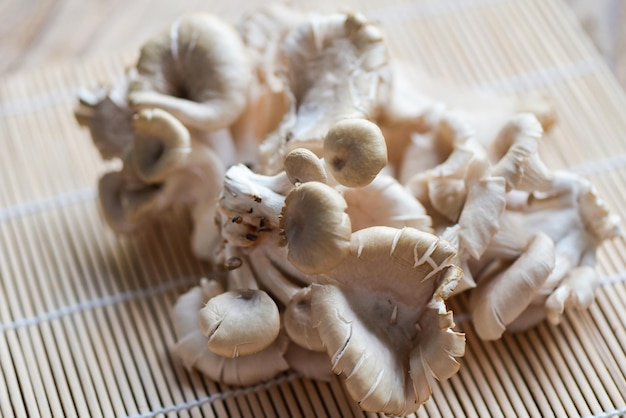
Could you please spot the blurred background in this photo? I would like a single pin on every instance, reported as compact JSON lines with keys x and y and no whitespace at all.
{"x":34,"y":33}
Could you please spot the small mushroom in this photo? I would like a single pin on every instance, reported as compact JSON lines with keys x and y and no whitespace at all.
{"x":191,"y":345}
{"x":316,"y":228}
{"x":302,"y":165}
{"x":240,"y":322}
{"x":335,"y":67}
{"x":355,"y":152}
{"x":197,"y":70}
{"x":576,"y":222}
{"x":380,"y":315}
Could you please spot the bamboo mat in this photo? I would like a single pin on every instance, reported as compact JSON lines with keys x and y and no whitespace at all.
{"x":85,"y":326}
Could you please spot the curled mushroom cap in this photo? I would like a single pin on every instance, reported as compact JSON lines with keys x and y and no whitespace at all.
{"x":316,"y":227}
{"x":515,"y":152}
{"x":381,"y":317}
{"x":500,"y":299}
{"x":161,"y":144}
{"x":355,"y":152}
{"x":197,"y":70}
{"x":240,"y":322}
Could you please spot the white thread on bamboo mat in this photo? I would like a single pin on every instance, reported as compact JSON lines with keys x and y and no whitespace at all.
{"x":541,"y":78}
{"x":218,"y":396}
{"x":98,"y":303}
{"x":53,"y":202}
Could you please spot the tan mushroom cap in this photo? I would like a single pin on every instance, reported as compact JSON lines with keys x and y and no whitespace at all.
{"x":381,"y":317}
{"x":191,"y":347}
{"x":298,"y":322}
{"x":355,"y":151}
{"x":316,"y":227}
{"x":197,"y":69}
{"x":240,"y":322}
{"x":161,"y":145}
{"x":302,"y":165}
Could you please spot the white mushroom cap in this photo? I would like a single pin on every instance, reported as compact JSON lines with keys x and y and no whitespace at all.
{"x":355,"y":152}
{"x":240,"y":322}
{"x":316,"y":227}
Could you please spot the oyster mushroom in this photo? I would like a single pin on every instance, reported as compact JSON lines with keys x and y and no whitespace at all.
{"x":576,"y":221}
{"x":197,"y":70}
{"x":240,"y":322}
{"x":335,"y":68}
{"x":381,"y":316}
{"x":163,"y":168}
{"x":355,"y":152}
{"x":191,"y":345}
{"x":302,"y":165}
{"x":316,"y":228}
{"x":415,"y":97}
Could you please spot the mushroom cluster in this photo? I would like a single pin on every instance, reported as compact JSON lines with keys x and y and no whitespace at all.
{"x":342,"y":199}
